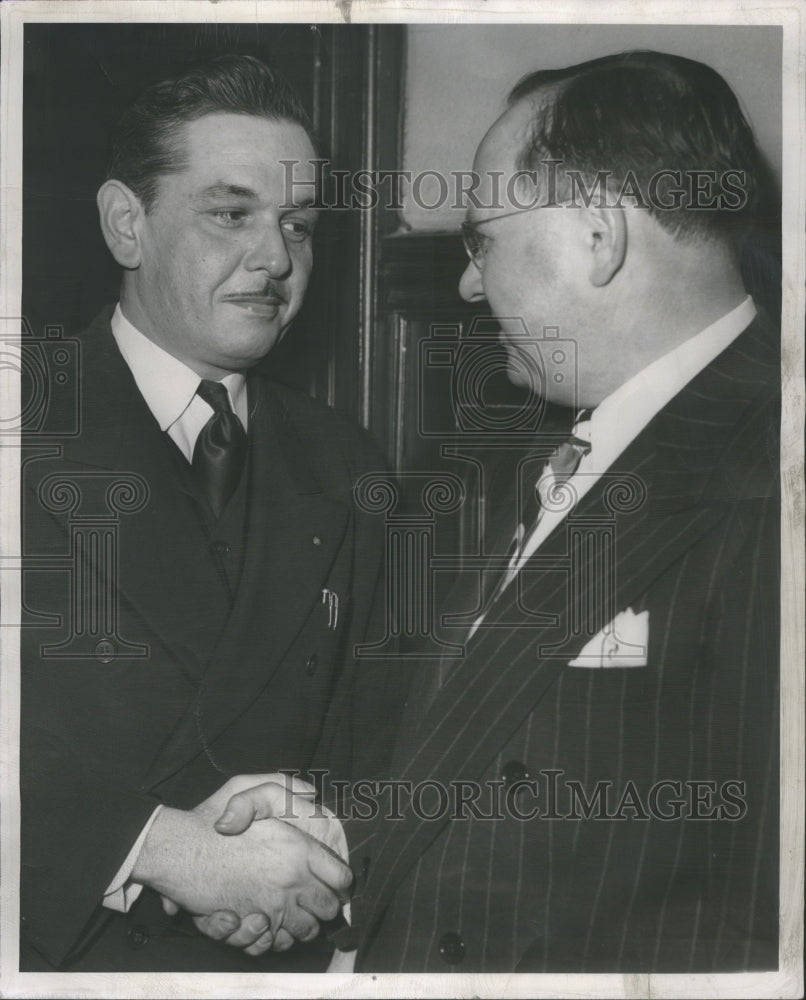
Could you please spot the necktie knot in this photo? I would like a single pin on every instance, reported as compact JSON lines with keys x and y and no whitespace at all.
{"x":215,"y":395}
{"x":563,"y":462}
{"x":565,"y":459}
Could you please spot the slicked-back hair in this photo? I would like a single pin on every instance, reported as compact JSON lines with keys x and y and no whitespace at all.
{"x":645,"y":112}
{"x":147,"y":140}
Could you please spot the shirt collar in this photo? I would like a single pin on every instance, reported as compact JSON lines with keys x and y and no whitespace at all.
{"x":166,"y":383}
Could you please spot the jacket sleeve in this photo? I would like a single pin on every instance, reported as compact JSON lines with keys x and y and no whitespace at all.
{"x":80,"y":814}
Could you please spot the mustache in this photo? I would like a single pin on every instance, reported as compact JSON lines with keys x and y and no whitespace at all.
{"x":268,"y":292}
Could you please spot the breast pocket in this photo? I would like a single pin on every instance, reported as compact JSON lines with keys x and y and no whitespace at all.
{"x":608,"y":687}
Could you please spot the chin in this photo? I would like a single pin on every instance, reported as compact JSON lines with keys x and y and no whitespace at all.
{"x":517,"y":376}
{"x":252,"y":344}
{"x":522,"y":372}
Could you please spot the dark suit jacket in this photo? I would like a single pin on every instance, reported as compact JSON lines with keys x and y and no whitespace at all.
{"x":695,"y":543}
{"x":199,"y":682}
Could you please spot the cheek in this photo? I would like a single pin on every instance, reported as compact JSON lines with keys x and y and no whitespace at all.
{"x":174,"y":267}
{"x":506,"y":291}
{"x":513,"y":277}
{"x":188,"y":284}
{"x":202,"y":263}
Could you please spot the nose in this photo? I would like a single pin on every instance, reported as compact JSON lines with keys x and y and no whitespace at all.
{"x":470,"y":284}
{"x":268,"y":252}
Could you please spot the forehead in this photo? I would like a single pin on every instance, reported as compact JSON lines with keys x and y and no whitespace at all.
{"x":497,"y":157}
{"x":235,"y":147}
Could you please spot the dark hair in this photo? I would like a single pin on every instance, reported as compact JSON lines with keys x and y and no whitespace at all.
{"x":145,"y":141}
{"x":641,"y":113}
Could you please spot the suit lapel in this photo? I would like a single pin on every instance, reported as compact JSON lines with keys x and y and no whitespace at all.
{"x":165,"y":571}
{"x":293,"y":540}
{"x":464,"y":602}
{"x":508,"y":667}
{"x":294,"y":534}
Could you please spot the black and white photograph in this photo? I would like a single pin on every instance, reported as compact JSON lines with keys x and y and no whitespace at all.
{"x":401,"y":499}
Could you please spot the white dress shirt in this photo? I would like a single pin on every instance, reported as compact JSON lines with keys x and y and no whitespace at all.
{"x":169,"y":388}
{"x":619,"y":419}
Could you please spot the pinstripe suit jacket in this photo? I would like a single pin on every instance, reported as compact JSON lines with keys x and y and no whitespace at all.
{"x":642,"y":883}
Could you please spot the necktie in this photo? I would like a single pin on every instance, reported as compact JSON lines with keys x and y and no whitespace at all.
{"x":560,"y":467}
{"x":220,"y":449}
{"x":547,"y":494}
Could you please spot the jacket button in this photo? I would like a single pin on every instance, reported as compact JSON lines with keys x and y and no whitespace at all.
{"x":365,"y":865}
{"x":310,"y":665}
{"x":451,"y":948}
{"x":138,"y":936}
{"x":105,"y":651}
{"x":514,"y":770}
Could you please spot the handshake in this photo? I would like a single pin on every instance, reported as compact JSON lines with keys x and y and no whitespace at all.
{"x":258,"y":864}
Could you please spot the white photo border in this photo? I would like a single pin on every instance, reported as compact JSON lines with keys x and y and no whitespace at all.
{"x":788,"y":980}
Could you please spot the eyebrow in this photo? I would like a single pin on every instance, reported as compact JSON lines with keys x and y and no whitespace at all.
{"x":223,"y":188}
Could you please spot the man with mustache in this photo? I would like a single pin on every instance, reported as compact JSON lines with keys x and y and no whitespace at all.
{"x":241,"y":576}
{"x":606,"y":744}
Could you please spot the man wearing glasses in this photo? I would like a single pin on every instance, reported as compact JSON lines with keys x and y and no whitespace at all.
{"x":607,"y":741}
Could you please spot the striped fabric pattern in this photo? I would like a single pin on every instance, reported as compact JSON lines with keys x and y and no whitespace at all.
{"x":699,"y":552}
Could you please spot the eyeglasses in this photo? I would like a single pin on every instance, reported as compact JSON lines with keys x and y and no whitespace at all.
{"x":474,"y":241}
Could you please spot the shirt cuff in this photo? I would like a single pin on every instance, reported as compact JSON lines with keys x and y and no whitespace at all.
{"x":341,"y":961}
{"x":121,"y":894}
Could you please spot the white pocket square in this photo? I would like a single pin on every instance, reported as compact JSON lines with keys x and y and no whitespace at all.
{"x":622,"y":643}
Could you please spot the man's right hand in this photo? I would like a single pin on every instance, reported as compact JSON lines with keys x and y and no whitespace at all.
{"x":271,"y":868}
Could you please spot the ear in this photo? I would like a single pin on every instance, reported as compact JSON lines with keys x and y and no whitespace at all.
{"x":606,"y":242}
{"x":121,"y":214}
